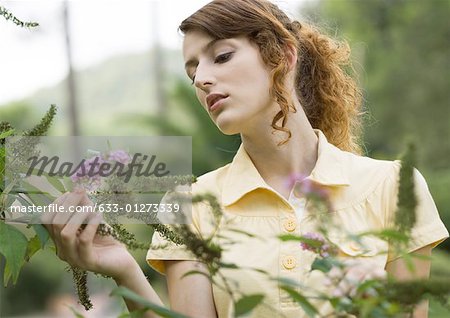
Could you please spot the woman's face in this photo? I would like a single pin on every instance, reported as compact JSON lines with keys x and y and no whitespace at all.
{"x":231,"y":81}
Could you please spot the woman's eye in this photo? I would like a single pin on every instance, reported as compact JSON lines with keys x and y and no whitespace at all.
{"x":222,"y":58}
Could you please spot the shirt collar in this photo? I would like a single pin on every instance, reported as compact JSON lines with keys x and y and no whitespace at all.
{"x":243,"y":177}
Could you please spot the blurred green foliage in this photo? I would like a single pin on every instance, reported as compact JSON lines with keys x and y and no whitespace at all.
{"x":439,"y":185}
{"x":439,"y":268}
{"x":403,"y":48}
{"x":401,"y":51}
{"x":19,"y":114}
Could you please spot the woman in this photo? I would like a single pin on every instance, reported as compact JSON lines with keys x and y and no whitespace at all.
{"x":281,"y":86}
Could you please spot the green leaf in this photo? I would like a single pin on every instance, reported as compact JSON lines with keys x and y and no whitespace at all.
{"x":389,"y":235}
{"x":242,"y":232}
{"x":344,"y":304}
{"x":286,"y":281}
{"x":2,"y":162}
{"x":289,"y":237}
{"x":13,"y":246}
{"x":247,"y":303}
{"x":162,"y":311}
{"x":55,"y":182}
{"x":6,"y":133}
{"x":334,"y":301}
{"x":259,"y":270}
{"x":134,"y":314}
{"x":76,"y":313}
{"x":322,"y":264}
{"x":23,"y":201}
{"x":306,"y":240}
{"x":8,"y":188}
{"x":68,"y":184}
{"x":194,"y":272}
{"x":309,"y":309}
{"x":41,"y":233}
{"x":10,"y":200}
{"x":34,"y":245}
{"x":228,"y":265}
{"x":38,"y":197}
{"x":368,"y":284}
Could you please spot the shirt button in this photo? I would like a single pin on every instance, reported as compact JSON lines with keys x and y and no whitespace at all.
{"x":290,"y":225}
{"x":289,"y":262}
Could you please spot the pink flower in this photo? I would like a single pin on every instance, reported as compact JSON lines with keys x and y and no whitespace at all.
{"x":293,"y":179}
{"x":87,"y":175}
{"x":303,"y":186}
{"x":120,"y":156}
{"x":317,"y":244}
{"x":308,"y":187}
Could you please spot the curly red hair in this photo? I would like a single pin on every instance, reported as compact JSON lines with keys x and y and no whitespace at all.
{"x":329,"y":95}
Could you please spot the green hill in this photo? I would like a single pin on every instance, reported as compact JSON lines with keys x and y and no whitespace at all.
{"x":106,"y":91}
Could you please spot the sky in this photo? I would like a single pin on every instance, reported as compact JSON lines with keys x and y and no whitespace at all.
{"x":31,"y":59}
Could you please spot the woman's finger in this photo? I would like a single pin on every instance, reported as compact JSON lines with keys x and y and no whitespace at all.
{"x":56,"y":221}
{"x":68,"y":235}
{"x":86,"y":237}
{"x":47,"y":217}
{"x":85,"y":200}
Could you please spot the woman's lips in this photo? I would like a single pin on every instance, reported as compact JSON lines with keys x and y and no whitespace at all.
{"x":217,"y":104}
{"x":213,"y":100}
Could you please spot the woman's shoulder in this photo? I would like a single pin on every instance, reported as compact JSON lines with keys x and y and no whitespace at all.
{"x":367,"y":178}
{"x":370,"y":170}
{"x":376,"y":178}
{"x":368,"y":167}
{"x":364,"y":172}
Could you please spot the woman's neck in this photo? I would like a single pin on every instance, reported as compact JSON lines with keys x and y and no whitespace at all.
{"x":276,"y":164}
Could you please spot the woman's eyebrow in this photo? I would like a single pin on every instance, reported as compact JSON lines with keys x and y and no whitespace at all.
{"x":193,"y":62}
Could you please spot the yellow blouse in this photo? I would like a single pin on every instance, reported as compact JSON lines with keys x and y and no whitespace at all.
{"x":363,"y":196}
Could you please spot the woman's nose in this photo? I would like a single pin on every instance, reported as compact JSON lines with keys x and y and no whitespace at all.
{"x":204,"y":79}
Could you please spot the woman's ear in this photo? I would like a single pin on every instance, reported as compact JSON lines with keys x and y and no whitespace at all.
{"x":291,"y":56}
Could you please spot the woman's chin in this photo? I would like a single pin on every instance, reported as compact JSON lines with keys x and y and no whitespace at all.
{"x":228,"y":132}
{"x":227,"y":127}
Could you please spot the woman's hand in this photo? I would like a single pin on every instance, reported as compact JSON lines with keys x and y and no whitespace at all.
{"x":84,"y":248}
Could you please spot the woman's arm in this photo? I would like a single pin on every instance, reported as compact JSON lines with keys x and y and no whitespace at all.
{"x":191,"y":295}
{"x":135,"y":280}
{"x":399,"y":269}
